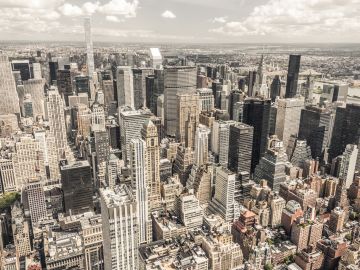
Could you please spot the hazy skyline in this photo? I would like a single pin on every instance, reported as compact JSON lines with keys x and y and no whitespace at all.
{"x":203,"y":21}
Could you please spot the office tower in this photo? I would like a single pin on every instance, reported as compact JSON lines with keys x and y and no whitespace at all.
{"x":240,"y":147}
{"x":176,"y":80}
{"x":257,"y":114}
{"x":223,"y":202}
{"x":154,"y":89}
{"x":348,"y":163}
{"x":65,"y":84}
{"x":201,"y":145}
{"x":97,"y":117}
{"x":341,"y":199}
{"x":288,"y":118}
{"x":251,"y":82}
{"x":53,"y":68}
{"x":89,"y":48}
{"x":340,"y":92}
{"x":28,"y":106}
{"x":206,"y":99}
{"x":235,"y":97}
{"x":201,"y":81}
{"x":187,"y":208}
{"x":292,"y":76}
{"x":8,"y":179}
{"x":77,"y":187}
{"x":275,"y":88}
{"x":277,"y":205}
{"x":316,"y":125}
{"x":187,"y":119}
{"x":125,"y":86}
{"x":140,"y":184}
{"x":272,"y":165}
{"x":82,"y":84}
{"x":36,"y":201}
{"x":131,"y":123}
{"x":83,"y":120}
{"x":139,"y":80}
{"x":107,"y":86}
{"x":36,"y":67}
{"x":102,"y":148}
{"x":183,"y":163}
{"x":24,"y":67}
{"x":35,"y":87}
{"x":56,"y":117}
{"x":220,"y":140}
{"x":150,"y":136}
{"x":120,"y":228}
{"x":155,"y":58}
{"x":300,"y":154}
{"x":9,"y":103}
{"x":28,"y":160}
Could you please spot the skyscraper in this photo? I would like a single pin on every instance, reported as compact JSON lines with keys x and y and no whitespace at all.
{"x":120,"y":228}
{"x":140,"y":184}
{"x":293,"y":75}
{"x":9,"y":103}
{"x":89,"y":47}
{"x":77,"y":186}
{"x":36,"y":201}
{"x":348,"y":163}
{"x":275,"y":88}
{"x":260,"y":108}
{"x":288,"y":118}
{"x":188,"y":118}
{"x":201,"y":145}
{"x":125,"y":86}
{"x":176,"y":80}
{"x":139,"y":80}
{"x":240,"y":147}
{"x":152,"y":158}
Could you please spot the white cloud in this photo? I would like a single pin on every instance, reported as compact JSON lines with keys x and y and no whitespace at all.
{"x":34,"y":4}
{"x":112,"y":18}
{"x":168,"y":14}
{"x":120,"y":7}
{"x":71,"y":10}
{"x":220,"y":19}
{"x":296,"y":18}
{"x":90,"y":7}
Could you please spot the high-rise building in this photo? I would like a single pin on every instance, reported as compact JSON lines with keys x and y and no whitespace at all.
{"x":288,"y":118}
{"x":56,"y":117}
{"x":201,"y":145}
{"x":35,"y":87}
{"x":156,"y":58}
{"x":150,"y":136}
{"x":8,"y":180}
{"x":120,"y":228}
{"x":189,"y":211}
{"x":292,"y":76}
{"x":65,"y":84}
{"x":275,"y":88}
{"x":140,"y":184}
{"x":125,"y":86}
{"x":176,"y":80}
{"x":24,"y":67}
{"x":251,"y":82}
{"x":89,"y":48}
{"x":28,"y":106}
{"x":139,"y":80}
{"x":188,"y":118}
{"x":77,"y":186}
{"x":131,"y":123}
{"x":206,"y":99}
{"x":272,"y":165}
{"x":220,"y":140}
{"x":316,"y":125}
{"x":240,"y":147}
{"x":9,"y":103}
{"x":223,"y":202}
{"x":348,"y":164}
{"x":183,"y":163}
{"x":36,"y":201}
{"x":260,"y":123}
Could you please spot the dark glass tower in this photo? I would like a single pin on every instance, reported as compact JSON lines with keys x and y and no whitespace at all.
{"x":251,"y":82}
{"x":275,"y":88}
{"x":240,"y":147}
{"x":77,"y":186}
{"x":293,"y":75}
{"x":257,"y":114}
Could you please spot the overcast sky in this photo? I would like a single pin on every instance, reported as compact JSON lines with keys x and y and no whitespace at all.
{"x":205,"y":21}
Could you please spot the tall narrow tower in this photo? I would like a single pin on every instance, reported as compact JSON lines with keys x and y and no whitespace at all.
{"x":293,"y":75}
{"x":9,"y":103}
{"x":150,"y":136}
{"x":89,"y":47}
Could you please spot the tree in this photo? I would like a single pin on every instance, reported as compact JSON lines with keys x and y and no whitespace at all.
{"x":7,"y":199}
{"x":268,"y":266}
